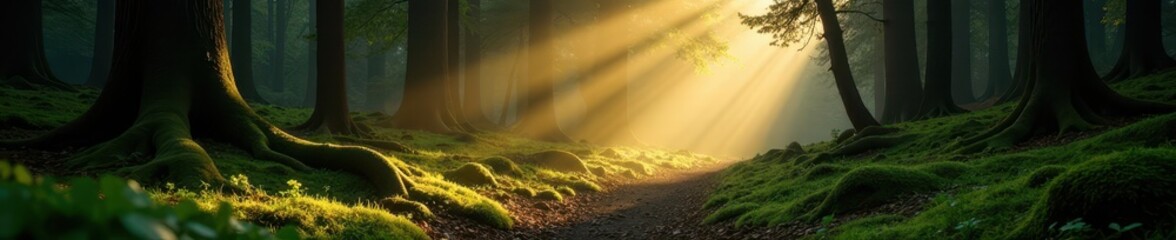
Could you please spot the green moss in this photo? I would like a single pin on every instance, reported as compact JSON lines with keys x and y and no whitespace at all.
{"x":1126,"y":187}
{"x":406,"y":207}
{"x":636,"y":167}
{"x":502,"y":165}
{"x":549,"y":195}
{"x":729,"y":212}
{"x":565,"y":190}
{"x":824,"y":170}
{"x":560,"y":161}
{"x":1043,"y":175}
{"x":471,"y":174}
{"x":598,"y":171}
{"x":461,"y":201}
{"x":522,"y":191}
{"x":872,"y":186}
{"x":945,"y":169}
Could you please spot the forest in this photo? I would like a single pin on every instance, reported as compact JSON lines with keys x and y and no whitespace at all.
{"x":588,"y":119}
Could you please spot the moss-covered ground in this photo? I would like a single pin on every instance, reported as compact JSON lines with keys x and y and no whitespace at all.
{"x":462,"y":175}
{"x":1111,"y":182}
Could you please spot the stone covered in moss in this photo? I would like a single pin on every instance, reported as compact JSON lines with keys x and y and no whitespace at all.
{"x":598,"y":171}
{"x":636,"y":167}
{"x":471,"y":174}
{"x":502,"y":165}
{"x":559,"y":161}
{"x":1044,"y":175}
{"x":402,"y":206}
{"x":525,"y":192}
{"x":872,"y":186}
{"x":549,"y":195}
{"x":1135,"y":186}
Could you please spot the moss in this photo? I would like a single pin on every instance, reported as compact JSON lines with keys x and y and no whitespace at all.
{"x":549,"y":195}
{"x":522,"y":191}
{"x":945,"y":169}
{"x":502,"y":165}
{"x":824,"y":170}
{"x":406,"y":207}
{"x":1043,"y":175}
{"x":565,"y":190}
{"x":471,"y":174}
{"x":729,"y":212}
{"x":873,"y":186}
{"x":560,"y":161}
{"x":636,"y":167}
{"x":598,"y":171}
{"x":1134,"y":186}
{"x":612,"y":153}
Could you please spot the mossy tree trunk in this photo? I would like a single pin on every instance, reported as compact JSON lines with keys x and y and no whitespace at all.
{"x":1064,"y":92}
{"x":171,"y":82}
{"x":22,"y":61}
{"x":1143,"y":49}
{"x":331,"y":111}
{"x":103,"y":44}
{"x":903,"y":88}
{"x":423,"y":106}
{"x":857,"y":112}
{"x":242,"y":54}
{"x":961,"y":52}
{"x":937,"y":100}
{"x":539,"y":120}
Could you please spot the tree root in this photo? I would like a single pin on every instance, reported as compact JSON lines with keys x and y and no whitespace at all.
{"x":379,"y":144}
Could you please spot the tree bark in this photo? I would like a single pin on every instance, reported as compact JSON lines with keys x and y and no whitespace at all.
{"x":1143,"y":49}
{"x":1024,"y":56}
{"x":1064,"y":93}
{"x":453,"y":71}
{"x":539,"y":119}
{"x":998,"y":50}
{"x":859,"y":116}
{"x":242,"y":55}
{"x":103,"y":44}
{"x":278,"y":57}
{"x":311,"y":57}
{"x":961,"y":52}
{"x":331,"y":112}
{"x":472,"y":101}
{"x":423,"y":105}
{"x":903,"y":88}
{"x":171,"y":80}
{"x":23,"y":63}
{"x":937,"y":100}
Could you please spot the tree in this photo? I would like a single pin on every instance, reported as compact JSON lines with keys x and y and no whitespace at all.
{"x":539,"y":120}
{"x":311,"y":56}
{"x":937,"y":100}
{"x":1064,"y":92}
{"x":961,"y":52}
{"x":1143,"y":49}
{"x":171,"y":76}
{"x":788,"y":22}
{"x":242,"y":54}
{"x":998,"y":50}
{"x":472,"y":101}
{"x":1024,"y":56}
{"x":902,"y":62}
{"x":331,"y":112}
{"x":103,"y":44}
{"x":423,"y":107}
{"x":280,"y":20}
{"x":452,"y":99}
{"x":23,"y":63}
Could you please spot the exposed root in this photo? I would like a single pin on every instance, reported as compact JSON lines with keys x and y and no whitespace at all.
{"x":379,"y":144}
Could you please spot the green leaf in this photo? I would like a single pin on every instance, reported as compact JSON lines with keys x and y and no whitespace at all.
{"x":200,"y":230}
{"x":1116,"y":227}
{"x":144,"y":227}
{"x":22,"y":175}
{"x":288,"y":232}
{"x":1132,"y":226}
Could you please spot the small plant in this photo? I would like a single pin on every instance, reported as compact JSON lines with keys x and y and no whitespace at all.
{"x":826,"y":223}
{"x":968,"y":224}
{"x":1072,"y":228}
{"x":1123,"y":229}
{"x":295,"y":189}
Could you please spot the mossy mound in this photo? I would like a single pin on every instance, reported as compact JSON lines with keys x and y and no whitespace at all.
{"x":946,"y":169}
{"x":401,"y":206}
{"x":559,"y":161}
{"x":611,"y":153}
{"x":549,"y":195}
{"x":1134,"y":186}
{"x":598,"y":171}
{"x":1044,"y":175}
{"x":525,"y":192}
{"x":824,"y":170}
{"x":872,"y":186}
{"x":471,"y":174}
{"x":565,"y":190}
{"x":636,"y":167}
{"x":502,"y":165}
{"x":793,"y":150}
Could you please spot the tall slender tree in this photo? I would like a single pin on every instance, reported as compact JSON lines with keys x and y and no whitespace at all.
{"x":472,"y":74}
{"x":1024,"y":56}
{"x":311,"y":55}
{"x":1143,"y":49}
{"x":23,"y":63}
{"x":452,"y":84}
{"x":937,"y":100}
{"x":171,"y":76}
{"x":103,"y":44}
{"x":1064,"y":92}
{"x":423,"y":107}
{"x":242,"y":54}
{"x":998,"y":50}
{"x":903,"y":88}
{"x":539,"y":119}
{"x":331,"y":111}
{"x":281,"y":23}
{"x":961,"y":52}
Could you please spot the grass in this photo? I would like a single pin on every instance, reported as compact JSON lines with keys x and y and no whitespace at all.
{"x":331,"y":204}
{"x":976,"y":196}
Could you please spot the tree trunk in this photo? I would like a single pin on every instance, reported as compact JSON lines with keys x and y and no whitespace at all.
{"x":606,"y":90}
{"x":937,"y":100}
{"x":1096,"y":31}
{"x":23,"y":63}
{"x":472,"y":102}
{"x":311,"y":56}
{"x":331,"y":112}
{"x":423,"y":105}
{"x":1064,"y":93}
{"x":539,"y":120}
{"x":242,"y":55}
{"x":880,"y":76}
{"x":170,"y":81}
{"x":1143,"y":49}
{"x":278,"y":57}
{"x":998,"y":50}
{"x":453,"y":71}
{"x":961,"y":52}
{"x":103,"y":44}
{"x":903,"y":88}
{"x":376,"y":75}
{"x":859,"y":116}
{"x":1024,"y":56}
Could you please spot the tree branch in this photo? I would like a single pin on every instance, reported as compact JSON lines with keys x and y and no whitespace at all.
{"x":862,"y":13}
